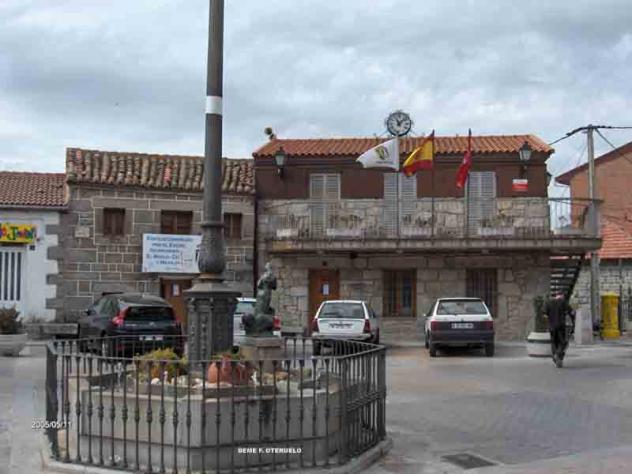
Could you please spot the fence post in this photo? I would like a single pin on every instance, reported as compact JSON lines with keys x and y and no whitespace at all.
{"x":342,"y":435}
{"x":382,"y":394}
{"x":52,"y":404}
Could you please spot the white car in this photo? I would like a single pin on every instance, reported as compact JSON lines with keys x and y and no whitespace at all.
{"x":459,"y":322}
{"x":247,"y":306}
{"x":345,"y":319}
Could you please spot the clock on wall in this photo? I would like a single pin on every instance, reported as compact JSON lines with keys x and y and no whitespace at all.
{"x":399,"y":123}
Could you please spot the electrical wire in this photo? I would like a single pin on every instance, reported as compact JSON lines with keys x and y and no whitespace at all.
{"x":605,"y":139}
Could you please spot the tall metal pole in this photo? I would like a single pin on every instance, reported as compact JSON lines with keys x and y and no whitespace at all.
{"x":594,"y":223}
{"x":211,"y":303}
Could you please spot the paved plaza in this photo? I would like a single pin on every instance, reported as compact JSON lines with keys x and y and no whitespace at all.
{"x":522,"y":414}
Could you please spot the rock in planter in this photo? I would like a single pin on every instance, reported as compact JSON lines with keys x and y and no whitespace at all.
{"x":12,"y":344}
{"x":539,"y":344}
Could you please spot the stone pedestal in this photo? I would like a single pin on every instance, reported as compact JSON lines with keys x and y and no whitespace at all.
{"x":583,"y":326}
{"x":262,"y":348}
{"x":539,"y":344}
{"x":211,"y":305}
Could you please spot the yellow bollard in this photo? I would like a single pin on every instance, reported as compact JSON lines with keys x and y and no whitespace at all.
{"x":609,"y":316}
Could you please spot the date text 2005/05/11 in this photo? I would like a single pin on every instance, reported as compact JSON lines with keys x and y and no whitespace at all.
{"x":45,"y":424}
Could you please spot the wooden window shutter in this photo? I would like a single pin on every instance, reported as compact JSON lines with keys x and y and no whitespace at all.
{"x":113,"y":222}
{"x":481,"y":189}
{"x":408,"y":200}
{"x":324,"y":190}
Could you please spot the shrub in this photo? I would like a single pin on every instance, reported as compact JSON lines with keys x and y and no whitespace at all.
{"x":161,"y":360}
{"x":9,"y":322}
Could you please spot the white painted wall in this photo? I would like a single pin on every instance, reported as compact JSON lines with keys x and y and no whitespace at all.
{"x":35,"y":265}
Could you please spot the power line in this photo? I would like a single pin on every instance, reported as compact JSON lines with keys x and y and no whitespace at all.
{"x":605,"y":139}
{"x":594,"y":127}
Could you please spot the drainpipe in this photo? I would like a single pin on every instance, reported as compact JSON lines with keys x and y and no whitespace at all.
{"x":255,"y":246}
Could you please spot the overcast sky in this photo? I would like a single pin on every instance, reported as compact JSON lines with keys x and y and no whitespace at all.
{"x":130,"y":75}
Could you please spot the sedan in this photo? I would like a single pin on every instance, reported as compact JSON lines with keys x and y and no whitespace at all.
{"x":459,"y":322}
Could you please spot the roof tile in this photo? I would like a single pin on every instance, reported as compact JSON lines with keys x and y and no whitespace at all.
{"x":334,"y":147}
{"x":154,"y":171}
{"x":32,"y":189}
{"x":616,"y":239}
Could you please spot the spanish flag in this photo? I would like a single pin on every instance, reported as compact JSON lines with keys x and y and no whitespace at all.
{"x":421,"y":158}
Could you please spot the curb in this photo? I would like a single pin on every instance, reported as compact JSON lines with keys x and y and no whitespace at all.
{"x":353,"y":466}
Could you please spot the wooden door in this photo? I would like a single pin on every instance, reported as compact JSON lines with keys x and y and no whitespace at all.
{"x":483,"y":283}
{"x":172,"y":291}
{"x":323,"y":285}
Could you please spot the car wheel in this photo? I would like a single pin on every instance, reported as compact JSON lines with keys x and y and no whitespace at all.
{"x":489,"y":350}
{"x":426,"y":343}
{"x":376,"y":339}
{"x":316,"y":350}
{"x":432,"y":349}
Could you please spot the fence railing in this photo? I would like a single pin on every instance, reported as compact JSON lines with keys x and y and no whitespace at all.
{"x":423,"y":219}
{"x":161,"y":413}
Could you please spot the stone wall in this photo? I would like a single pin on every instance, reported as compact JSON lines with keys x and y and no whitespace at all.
{"x":93,"y":263}
{"x":610,"y":279}
{"x":521,"y":277}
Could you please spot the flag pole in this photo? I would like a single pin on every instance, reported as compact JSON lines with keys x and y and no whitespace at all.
{"x":397,"y":187}
{"x":432,"y":193}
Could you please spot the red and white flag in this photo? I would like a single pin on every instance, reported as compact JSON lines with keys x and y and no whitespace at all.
{"x":466,"y":164}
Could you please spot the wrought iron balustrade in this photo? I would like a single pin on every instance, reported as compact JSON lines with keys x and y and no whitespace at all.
{"x":520,"y":218}
{"x":141,"y":414}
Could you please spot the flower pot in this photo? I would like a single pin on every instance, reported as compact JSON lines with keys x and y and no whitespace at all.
{"x":539,"y":344}
{"x":223,"y":372}
{"x":12,"y":344}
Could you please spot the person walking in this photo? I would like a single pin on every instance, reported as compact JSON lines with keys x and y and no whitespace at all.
{"x":557,"y":310}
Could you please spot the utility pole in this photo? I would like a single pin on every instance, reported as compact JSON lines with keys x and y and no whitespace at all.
{"x":594,"y":224}
{"x":210,"y":302}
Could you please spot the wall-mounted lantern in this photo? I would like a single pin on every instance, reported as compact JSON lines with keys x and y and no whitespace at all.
{"x":525,"y":155}
{"x":280,"y":158}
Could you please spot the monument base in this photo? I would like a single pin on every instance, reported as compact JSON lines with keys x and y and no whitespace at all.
{"x":265,"y":348}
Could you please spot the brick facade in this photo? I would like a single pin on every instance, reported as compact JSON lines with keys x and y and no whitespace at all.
{"x":93,"y":263}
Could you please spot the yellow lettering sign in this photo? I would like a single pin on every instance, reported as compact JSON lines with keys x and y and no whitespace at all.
{"x":17,"y":233}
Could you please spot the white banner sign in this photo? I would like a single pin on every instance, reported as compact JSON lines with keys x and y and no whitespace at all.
{"x":164,"y":253}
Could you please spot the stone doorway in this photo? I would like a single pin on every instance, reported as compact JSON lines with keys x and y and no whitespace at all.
{"x":172,"y":290}
{"x":323,"y":285}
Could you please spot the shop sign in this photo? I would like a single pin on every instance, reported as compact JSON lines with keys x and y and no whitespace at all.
{"x":17,"y":233}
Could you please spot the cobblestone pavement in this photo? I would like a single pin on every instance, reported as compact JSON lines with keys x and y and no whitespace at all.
{"x":21,"y":401}
{"x":521,"y":413}
{"x":511,"y":410}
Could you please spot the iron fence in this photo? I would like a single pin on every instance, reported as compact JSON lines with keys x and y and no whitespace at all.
{"x":159,"y":412}
{"x":625,"y":305}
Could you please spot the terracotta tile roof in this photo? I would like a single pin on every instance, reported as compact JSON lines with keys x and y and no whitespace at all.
{"x":32,"y":189}
{"x":154,"y":171}
{"x":617,"y":239}
{"x":616,"y":153}
{"x":351,"y":147}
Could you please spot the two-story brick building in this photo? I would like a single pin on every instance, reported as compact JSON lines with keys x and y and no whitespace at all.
{"x":335,"y":230}
{"x":114,"y":199}
{"x":613,"y":174}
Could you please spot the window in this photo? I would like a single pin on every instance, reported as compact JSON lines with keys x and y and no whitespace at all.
{"x":232,"y":226}
{"x":399,"y":293}
{"x":113,"y":222}
{"x":10,"y":275}
{"x":483,"y":284}
{"x":324,"y":189}
{"x":458,"y":307}
{"x":407,"y":200}
{"x":481,"y":195}
{"x":342,"y":311}
{"x":176,"y":222}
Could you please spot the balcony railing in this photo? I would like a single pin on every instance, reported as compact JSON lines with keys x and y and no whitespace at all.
{"x":504,"y":218}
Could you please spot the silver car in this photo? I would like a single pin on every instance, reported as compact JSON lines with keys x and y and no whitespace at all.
{"x":247,"y":306}
{"x":345,"y":319}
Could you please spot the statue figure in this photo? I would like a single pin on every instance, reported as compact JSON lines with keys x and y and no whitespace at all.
{"x":261,"y":324}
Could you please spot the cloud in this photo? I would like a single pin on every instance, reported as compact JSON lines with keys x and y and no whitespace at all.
{"x":126,"y":75}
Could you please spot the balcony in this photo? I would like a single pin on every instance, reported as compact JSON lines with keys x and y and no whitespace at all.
{"x":559,"y":224}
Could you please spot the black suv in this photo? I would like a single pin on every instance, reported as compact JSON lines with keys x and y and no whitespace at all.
{"x":140,"y":323}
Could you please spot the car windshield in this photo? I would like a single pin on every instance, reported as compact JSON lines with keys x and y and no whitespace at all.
{"x":342,"y":310}
{"x":461,"y":307}
{"x":245,"y":307}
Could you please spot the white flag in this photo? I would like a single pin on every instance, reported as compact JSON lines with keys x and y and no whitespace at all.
{"x":385,"y":155}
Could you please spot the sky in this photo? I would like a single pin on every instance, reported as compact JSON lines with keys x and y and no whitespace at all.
{"x":126,"y":75}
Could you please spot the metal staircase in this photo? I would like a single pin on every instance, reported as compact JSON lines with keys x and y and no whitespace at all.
{"x":564,"y":273}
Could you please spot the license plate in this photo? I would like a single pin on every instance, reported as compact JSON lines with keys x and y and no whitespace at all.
{"x":151,"y":338}
{"x":462,"y":325}
{"x":339,"y":326}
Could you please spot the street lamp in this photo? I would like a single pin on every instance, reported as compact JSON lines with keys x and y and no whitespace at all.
{"x":280,"y":158}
